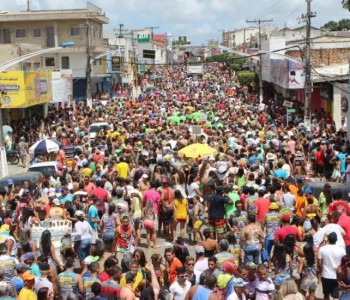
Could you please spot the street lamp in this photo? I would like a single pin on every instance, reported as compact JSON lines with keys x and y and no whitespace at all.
{"x":3,"y":68}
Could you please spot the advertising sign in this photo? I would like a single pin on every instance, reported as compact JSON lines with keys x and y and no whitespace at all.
{"x":296,"y":75}
{"x":114,"y":63}
{"x":143,"y":37}
{"x":23,"y":89}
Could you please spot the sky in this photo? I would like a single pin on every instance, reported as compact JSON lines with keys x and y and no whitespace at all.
{"x":199,"y":20}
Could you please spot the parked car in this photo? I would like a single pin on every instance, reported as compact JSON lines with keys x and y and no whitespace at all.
{"x":32,"y":177}
{"x":46,"y":168}
{"x":95,"y":128}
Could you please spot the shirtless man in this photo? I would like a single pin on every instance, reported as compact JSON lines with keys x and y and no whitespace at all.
{"x":252,"y":240}
{"x":166,"y":210}
{"x":127,"y":292}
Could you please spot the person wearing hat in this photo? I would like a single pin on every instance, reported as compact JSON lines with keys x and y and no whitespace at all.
{"x":82,"y":237}
{"x":201,"y":262}
{"x":272,"y":223}
{"x":238,"y":289}
{"x":286,"y":229}
{"x":56,"y":211}
{"x":329,"y":259}
{"x":27,"y":293}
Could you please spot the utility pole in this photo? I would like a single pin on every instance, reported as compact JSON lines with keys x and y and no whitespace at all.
{"x":88,"y":64}
{"x":28,"y":5}
{"x":308,"y":81}
{"x":120,"y":30}
{"x":259,"y":21}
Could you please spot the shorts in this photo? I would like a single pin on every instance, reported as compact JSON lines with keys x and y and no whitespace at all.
{"x":82,"y":248}
{"x":108,"y":238}
{"x":181,"y":220}
{"x":149,"y":224}
{"x":280,"y":278}
{"x":309,"y":283}
{"x":197,"y":224}
{"x":94,"y":236}
{"x":168,"y":215}
{"x":218,"y":226}
{"x":328,"y":285}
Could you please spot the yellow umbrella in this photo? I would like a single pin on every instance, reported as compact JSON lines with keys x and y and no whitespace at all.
{"x":197,"y":150}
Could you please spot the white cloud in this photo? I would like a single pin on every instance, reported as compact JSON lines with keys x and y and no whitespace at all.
{"x":200,"y":18}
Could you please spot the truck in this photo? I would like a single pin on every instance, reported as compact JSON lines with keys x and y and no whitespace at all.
{"x":195,"y":65}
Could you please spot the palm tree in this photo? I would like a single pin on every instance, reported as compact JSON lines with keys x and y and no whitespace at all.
{"x":346,"y":4}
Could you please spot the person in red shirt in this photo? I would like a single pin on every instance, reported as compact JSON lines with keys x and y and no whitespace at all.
{"x":319,"y":156}
{"x":98,"y":156}
{"x":108,"y":264}
{"x":344,"y":222}
{"x":286,"y":229}
{"x":173,"y":262}
{"x":102,"y":195}
{"x":261,"y":206}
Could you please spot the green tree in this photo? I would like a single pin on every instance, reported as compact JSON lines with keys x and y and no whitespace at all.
{"x":331,"y":25}
{"x":346,"y":4}
{"x":344,"y":24}
{"x":246,"y":78}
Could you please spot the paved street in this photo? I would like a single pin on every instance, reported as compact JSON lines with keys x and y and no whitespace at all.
{"x":162,"y":242}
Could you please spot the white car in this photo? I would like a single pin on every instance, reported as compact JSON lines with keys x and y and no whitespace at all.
{"x":47,"y":168}
{"x":95,"y":128}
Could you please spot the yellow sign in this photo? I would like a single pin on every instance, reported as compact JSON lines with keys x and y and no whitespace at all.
{"x":22,"y":89}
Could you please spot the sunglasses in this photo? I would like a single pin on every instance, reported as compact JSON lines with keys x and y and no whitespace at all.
{"x":190,"y":264}
{"x":183,"y":276}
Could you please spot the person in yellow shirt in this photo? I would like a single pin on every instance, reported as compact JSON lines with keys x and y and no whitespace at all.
{"x":135,"y":267}
{"x":27,"y":293}
{"x":180,"y":213}
{"x":86,"y":171}
{"x":122,"y":168}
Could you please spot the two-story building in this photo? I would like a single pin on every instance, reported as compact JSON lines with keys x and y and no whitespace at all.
{"x":50,"y":29}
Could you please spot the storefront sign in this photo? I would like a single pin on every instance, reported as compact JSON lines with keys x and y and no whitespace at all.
{"x":22,"y":89}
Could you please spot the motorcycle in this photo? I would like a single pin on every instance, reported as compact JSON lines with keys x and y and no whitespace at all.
{"x":12,"y":156}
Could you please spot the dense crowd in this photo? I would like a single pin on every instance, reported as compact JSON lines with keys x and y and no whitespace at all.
{"x":244,"y":206}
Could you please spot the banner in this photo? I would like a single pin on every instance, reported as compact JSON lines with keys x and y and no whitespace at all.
{"x":22,"y":89}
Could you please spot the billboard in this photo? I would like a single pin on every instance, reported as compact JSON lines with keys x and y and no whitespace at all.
{"x":25,"y":88}
{"x":197,"y":69}
{"x":296,"y":75}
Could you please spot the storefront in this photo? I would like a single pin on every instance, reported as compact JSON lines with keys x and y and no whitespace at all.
{"x":24,"y":93}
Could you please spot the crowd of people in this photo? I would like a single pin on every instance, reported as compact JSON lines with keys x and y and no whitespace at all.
{"x":247,"y":211}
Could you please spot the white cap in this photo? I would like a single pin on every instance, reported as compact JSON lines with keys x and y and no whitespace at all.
{"x":56,"y":201}
{"x":79,"y":213}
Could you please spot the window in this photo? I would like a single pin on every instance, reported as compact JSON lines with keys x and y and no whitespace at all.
{"x":37,"y":32}
{"x":20,"y":33}
{"x":49,"y":61}
{"x":26,"y":66}
{"x":75,"y":31}
{"x":65,"y":62}
{"x":36,"y":66}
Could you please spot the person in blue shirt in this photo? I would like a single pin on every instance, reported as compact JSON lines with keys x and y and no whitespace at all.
{"x":280,"y":173}
{"x":65,"y":195}
{"x":93,"y":218}
{"x":342,"y":158}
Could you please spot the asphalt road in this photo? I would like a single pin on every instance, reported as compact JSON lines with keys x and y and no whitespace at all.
{"x":162,"y":242}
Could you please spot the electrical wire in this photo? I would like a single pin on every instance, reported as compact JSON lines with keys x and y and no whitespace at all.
{"x":330,"y":82}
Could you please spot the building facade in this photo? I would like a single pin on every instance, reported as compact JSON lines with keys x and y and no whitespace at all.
{"x":51,"y":28}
